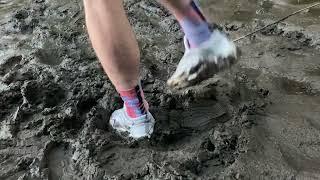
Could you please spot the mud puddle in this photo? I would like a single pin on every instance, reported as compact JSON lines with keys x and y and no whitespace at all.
{"x":258,"y":120}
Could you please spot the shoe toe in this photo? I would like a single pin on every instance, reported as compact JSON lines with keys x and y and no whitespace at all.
{"x":178,"y":81}
{"x":143,"y":128}
{"x":203,"y":62}
{"x":136,"y":127}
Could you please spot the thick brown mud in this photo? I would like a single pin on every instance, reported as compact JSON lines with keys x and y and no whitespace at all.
{"x":259,"y":120}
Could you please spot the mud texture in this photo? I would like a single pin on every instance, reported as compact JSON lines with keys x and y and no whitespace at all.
{"x":260,"y":120}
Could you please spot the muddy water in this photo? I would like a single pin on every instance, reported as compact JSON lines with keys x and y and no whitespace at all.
{"x":259,"y":120}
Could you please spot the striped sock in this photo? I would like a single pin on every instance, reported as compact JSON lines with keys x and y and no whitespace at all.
{"x":194,"y":25}
{"x":134,"y":102}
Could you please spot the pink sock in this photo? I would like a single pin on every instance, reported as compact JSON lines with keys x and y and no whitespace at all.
{"x":134,"y":102}
{"x":194,"y":25}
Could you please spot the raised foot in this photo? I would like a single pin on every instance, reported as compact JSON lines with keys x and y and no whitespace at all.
{"x":198,"y":64}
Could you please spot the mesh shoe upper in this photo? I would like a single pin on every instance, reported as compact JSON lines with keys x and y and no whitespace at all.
{"x":136,"y":127}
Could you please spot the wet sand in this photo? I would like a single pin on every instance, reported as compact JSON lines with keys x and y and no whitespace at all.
{"x":259,"y":120}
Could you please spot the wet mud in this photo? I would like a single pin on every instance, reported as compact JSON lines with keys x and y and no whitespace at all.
{"x":259,"y":120}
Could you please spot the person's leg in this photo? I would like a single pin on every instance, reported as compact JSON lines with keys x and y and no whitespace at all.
{"x":206,"y":52}
{"x":113,"y":41}
{"x":116,"y":47}
{"x":191,"y":20}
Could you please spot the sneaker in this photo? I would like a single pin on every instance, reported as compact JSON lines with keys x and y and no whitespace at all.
{"x":203,"y":62}
{"x":136,"y":127}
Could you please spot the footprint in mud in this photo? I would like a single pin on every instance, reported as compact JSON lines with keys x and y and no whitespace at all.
{"x":9,"y":63}
{"x":58,"y":162}
{"x":202,"y":116}
{"x":37,"y":93}
{"x":306,"y":167}
{"x":123,"y":161}
{"x":293,"y":87}
{"x":314,"y":72}
{"x":175,"y":125}
{"x":49,"y":56}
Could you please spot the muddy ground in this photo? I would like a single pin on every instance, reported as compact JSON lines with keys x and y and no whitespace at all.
{"x":260,"y":120}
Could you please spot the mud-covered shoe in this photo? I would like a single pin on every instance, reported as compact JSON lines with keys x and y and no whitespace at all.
{"x":136,"y":127}
{"x":204,"y":61}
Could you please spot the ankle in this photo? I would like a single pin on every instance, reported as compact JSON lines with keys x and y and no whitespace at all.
{"x":194,"y":25}
{"x":134,"y":101}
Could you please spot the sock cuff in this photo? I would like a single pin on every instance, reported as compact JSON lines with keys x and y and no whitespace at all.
{"x":130,"y":92}
{"x":134,"y":101}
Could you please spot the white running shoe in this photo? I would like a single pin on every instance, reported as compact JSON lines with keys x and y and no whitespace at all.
{"x":136,"y":127}
{"x":203,"y":62}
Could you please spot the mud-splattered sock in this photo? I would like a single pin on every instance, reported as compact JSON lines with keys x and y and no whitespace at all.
{"x":194,"y":25}
{"x":134,"y":101}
